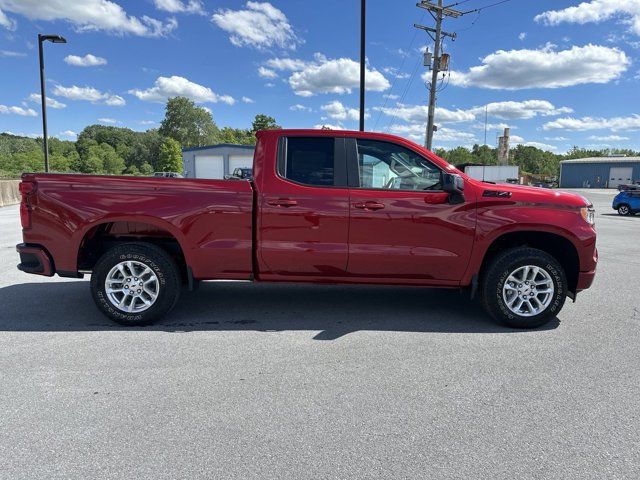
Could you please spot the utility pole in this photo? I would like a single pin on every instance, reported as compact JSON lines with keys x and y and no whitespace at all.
{"x":363,"y":25}
{"x":438,"y":12}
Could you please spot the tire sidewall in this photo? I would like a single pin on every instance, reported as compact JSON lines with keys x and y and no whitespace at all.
{"x":497,"y":277}
{"x":624,"y":210}
{"x":161,"y":268}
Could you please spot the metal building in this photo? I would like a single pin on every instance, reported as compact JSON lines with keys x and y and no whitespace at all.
{"x":599,"y":172}
{"x":216,"y":161}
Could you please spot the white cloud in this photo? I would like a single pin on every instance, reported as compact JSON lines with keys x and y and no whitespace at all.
{"x":608,"y":138}
{"x":614,"y":124}
{"x":148,"y":122}
{"x":526,"y":109}
{"x":7,"y":22}
{"x":516,"y":139}
{"x":108,"y":120}
{"x":178,"y":6}
{"x":419,"y":114}
{"x":89,"y":15}
{"x":24,"y":112}
{"x":175,"y":86}
{"x":395,"y":73}
{"x":11,"y":53}
{"x":596,"y":11}
{"x":328,"y":126}
{"x":247,"y":100}
{"x":267,"y":73}
{"x":87,"y":61}
{"x":299,"y":108}
{"x":391,"y":96}
{"x":337,"y":111}
{"x":292,"y":64}
{"x":68,"y":134}
{"x":88,"y":94}
{"x":21,"y":134}
{"x":544,"y":68}
{"x":522,"y":36}
{"x":541,"y":146}
{"x":51,"y":102}
{"x":339,"y":76}
{"x":259,"y":25}
{"x":493,"y":126}
{"x":556,"y":139}
{"x":416,"y":133}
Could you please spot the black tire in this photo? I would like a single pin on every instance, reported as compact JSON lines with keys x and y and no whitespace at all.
{"x":624,"y":210}
{"x":163,"y":267}
{"x":499,"y":270}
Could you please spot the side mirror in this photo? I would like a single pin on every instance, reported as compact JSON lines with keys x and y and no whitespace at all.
{"x":453,"y":184}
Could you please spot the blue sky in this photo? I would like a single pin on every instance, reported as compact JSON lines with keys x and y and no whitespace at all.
{"x":559,"y":73}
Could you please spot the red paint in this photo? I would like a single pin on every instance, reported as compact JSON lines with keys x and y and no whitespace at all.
{"x":303,"y":233}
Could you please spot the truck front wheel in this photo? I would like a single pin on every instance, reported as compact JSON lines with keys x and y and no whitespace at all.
{"x":524,"y":287}
{"x":135,"y":283}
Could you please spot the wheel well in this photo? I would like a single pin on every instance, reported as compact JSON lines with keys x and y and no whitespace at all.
{"x":555,"y":245}
{"x":102,"y":237}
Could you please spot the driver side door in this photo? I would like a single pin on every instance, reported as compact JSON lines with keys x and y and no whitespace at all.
{"x":402,"y":226}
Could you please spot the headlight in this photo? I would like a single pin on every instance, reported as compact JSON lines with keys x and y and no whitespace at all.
{"x":588,"y":214}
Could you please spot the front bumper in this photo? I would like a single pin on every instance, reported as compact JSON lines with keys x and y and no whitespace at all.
{"x":35,"y":259}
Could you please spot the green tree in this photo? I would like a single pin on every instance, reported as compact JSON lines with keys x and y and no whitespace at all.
{"x":146,"y":169}
{"x":459,"y":156}
{"x":113,"y":163}
{"x":188,"y":124}
{"x":237,"y":136}
{"x":264,"y":122}
{"x":170,"y":157}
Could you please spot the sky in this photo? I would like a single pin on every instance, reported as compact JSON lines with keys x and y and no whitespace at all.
{"x":559,"y":73}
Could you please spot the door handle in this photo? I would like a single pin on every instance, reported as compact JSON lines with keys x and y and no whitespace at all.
{"x":369,"y":205}
{"x":283,"y":202}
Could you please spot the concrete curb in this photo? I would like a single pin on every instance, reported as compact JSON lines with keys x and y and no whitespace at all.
{"x":9,"y":194}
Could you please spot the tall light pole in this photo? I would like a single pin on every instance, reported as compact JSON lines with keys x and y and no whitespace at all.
{"x":363,"y":24}
{"x":43,"y":99}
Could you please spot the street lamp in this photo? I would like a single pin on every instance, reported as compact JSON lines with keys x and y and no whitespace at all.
{"x":45,"y":138}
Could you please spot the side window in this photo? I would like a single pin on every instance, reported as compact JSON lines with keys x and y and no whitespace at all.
{"x":386,"y":165}
{"x":310,"y":161}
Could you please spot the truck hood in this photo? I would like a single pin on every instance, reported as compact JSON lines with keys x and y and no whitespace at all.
{"x":521,"y":193}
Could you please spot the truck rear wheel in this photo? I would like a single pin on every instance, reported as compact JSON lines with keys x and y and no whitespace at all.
{"x":135,"y":283}
{"x":524,"y":288}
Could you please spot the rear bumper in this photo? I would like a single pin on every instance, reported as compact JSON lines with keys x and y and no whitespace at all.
{"x":35,"y":259}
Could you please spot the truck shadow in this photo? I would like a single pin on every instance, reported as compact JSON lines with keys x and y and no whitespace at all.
{"x":334,"y":311}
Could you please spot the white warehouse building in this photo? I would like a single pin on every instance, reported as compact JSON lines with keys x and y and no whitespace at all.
{"x":216,"y":161}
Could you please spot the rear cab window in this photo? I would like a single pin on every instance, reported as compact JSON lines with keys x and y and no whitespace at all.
{"x":312,"y":161}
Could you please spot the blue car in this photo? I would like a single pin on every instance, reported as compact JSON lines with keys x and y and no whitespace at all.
{"x":627,"y":202}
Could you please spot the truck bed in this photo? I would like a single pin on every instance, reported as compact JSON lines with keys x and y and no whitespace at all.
{"x":210,"y":219}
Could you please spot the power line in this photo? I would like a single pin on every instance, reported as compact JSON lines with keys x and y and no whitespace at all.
{"x":486,"y":6}
{"x":398,"y":72}
{"x":441,"y":61}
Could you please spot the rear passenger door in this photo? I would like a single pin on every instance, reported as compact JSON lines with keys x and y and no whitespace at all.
{"x":304,"y":210}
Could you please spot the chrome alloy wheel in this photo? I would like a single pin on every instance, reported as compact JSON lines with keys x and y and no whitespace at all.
{"x":528,"y":291}
{"x":132,"y":287}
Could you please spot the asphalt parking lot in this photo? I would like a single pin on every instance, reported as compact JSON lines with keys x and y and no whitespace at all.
{"x":285,"y":381}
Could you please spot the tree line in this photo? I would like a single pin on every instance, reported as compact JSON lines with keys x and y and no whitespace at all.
{"x":101,"y":149}
{"x":110,"y":150}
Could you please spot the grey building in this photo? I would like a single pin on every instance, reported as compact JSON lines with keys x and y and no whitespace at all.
{"x":599,"y":172}
{"x":216,"y":161}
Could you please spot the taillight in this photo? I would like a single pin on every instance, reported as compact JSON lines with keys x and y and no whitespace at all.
{"x":26,"y":189}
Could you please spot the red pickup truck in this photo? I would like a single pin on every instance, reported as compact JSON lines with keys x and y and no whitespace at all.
{"x":323,"y":207}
